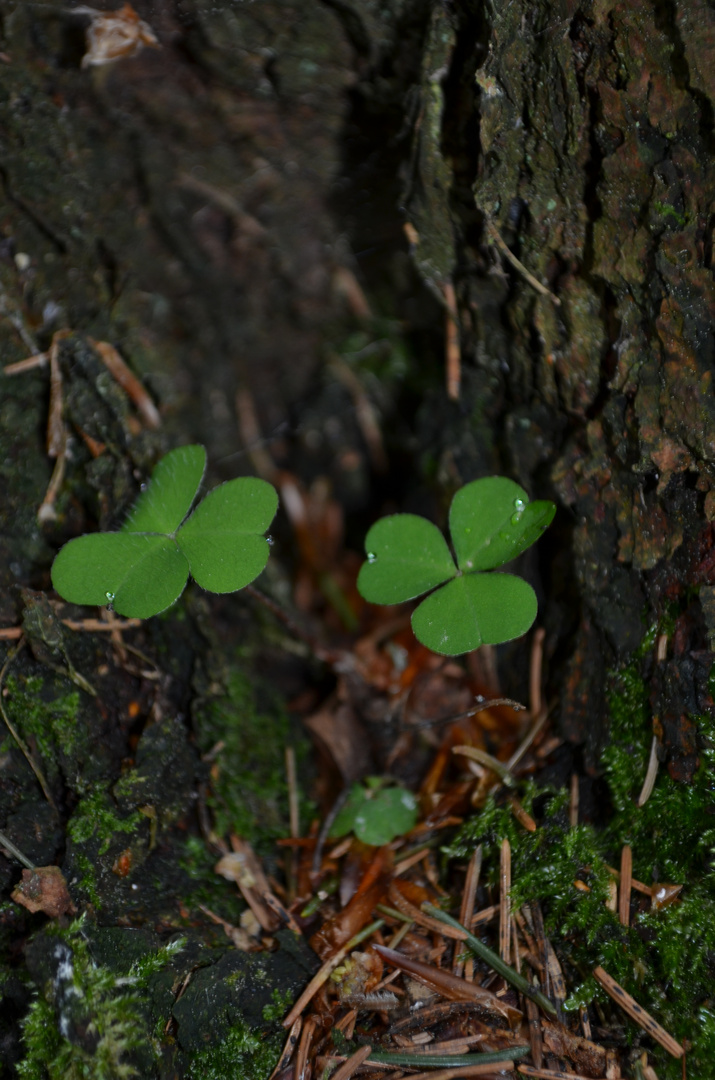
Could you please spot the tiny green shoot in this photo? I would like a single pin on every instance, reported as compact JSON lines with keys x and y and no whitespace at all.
{"x":376,"y":813}
{"x":142,"y":569}
{"x":491,"y":521}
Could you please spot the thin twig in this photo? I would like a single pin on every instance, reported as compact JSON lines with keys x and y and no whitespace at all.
{"x":533,"y":731}
{"x":536,"y":664}
{"x":16,"y":736}
{"x":534,"y":282}
{"x":481,"y":756}
{"x":480,"y":707}
{"x":28,"y":364}
{"x":7,"y":843}
{"x":294,"y":817}
{"x":453,"y":358}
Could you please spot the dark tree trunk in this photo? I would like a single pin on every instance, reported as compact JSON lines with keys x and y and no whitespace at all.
{"x":583,"y":133}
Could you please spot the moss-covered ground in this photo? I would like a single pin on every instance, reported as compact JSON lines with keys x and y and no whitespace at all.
{"x":666,"y":958}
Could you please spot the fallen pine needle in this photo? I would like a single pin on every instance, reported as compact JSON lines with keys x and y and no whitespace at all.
{"x":483,"y":758}
{"x":466,"y":911}
{"x":465,"y":1070}
{"x":301,"y":1058}
{"x":574,"y":801}
{"x":498,"y":1057}
{"x":624,"y":894}
{"x":289,"y":1048}
{"x":651,"y":773}
{"x":549,"y":1074}
{"x":353,"y":1063}
{"x":494,"y":960}
{"x":637,"y":1013}
{"x":521,"y":815}
{"x":505,"y":902}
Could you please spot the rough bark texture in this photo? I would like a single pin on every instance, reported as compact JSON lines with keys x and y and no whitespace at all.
{"x":590,"y":146}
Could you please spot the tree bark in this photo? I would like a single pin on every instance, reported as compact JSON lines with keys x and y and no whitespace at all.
{"x":587,"y":146}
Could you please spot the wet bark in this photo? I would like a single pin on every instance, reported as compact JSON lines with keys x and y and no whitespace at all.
{"x":583,"y":133}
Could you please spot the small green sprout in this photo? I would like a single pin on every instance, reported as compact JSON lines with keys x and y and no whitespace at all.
{"x":143,"y":568}
{"x":376,"y":813}
{"x":491,"y":521}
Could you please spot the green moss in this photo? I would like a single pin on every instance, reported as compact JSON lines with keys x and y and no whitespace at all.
{"x":94,"y":817}
{"x":109,"y":1009}
{"x":245,"y":1052}
{"x":249,"y":793}
{"x":280,"y":1006}
{"x":666,"y":959}
{"x":50,"y":721}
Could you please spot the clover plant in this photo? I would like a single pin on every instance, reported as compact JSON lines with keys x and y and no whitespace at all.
{"x":491,"y":521}
{"x":144,"y":567}
{"x":376,"y":813}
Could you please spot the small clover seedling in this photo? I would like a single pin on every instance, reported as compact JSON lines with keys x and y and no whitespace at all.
{"x":375,"y":813}
{"x":490,"y":521}
{"x":144,"y":568}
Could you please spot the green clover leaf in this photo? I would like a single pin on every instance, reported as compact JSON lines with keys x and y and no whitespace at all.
{"x":413,"y":557}
{"x":491,"y":522}
{"x":375,"y":813}
{"x":223,"y":538}
{"x":143,"y":569}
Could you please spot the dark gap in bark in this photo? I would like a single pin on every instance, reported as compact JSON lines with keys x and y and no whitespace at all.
{"x":609,"y":360}
{"x":461,"y":117}
{"x":43,"y":227}
{"x":664,"y":12}
{"x":593,"y":176}
{"x":353,"y":26}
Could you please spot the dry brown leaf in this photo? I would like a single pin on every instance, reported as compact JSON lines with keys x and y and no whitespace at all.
{"x":44,"y":889}
{"x":115,"y":35}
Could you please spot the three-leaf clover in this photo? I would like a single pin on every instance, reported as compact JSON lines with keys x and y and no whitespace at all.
{"x":491,"y":521}
{"x":143,"y":569}
{"x":375,"y":813}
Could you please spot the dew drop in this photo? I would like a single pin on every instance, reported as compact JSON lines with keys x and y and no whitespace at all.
{"x":516,"y":518}
{"x":110,"y":597}
{"x":143,"y":487}
{"x":371,"y":557}
{"x":519,"y":505}
{"x":269,"y":540}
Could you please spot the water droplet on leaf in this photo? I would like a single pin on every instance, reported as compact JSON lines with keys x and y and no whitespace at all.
{"x":516,"y":518}
{"x":269,"y":540}
{"x":519,"y":505}
{"x":371,"y":557}
{"x":110,"y":597}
